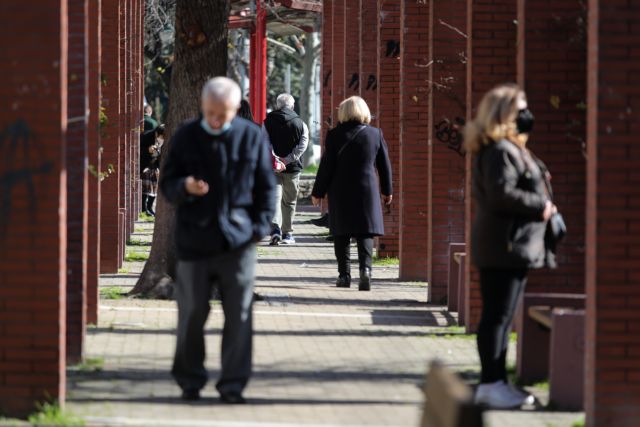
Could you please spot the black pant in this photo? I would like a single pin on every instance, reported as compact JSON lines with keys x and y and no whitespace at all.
{"x":501,"y":290}
{"x":234,"y":274}
{"x":342,"y":247}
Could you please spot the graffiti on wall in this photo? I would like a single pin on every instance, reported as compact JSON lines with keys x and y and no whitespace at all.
{"x":16,"y":142}
{"x":450,"y":133}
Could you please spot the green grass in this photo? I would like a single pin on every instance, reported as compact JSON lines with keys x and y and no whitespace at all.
{"x":51,"y":414}
{"x":111,"y":292}
{"x":385,"y":261}
{"x":543,"y":385}
{"x":123,"y":270}
{"x":90,"y":365}
{"x":579,"y":423}
{"x":136,"y":256}
{"x":311,"y":169}
{"x":146,"y":218}
{"x":138,"y":242}
{"x":451,"y":332}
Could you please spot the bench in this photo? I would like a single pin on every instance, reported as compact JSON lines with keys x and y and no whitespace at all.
{"x":551,"y":345}
{"x":453,"y":276}
{"x":448,"y":400}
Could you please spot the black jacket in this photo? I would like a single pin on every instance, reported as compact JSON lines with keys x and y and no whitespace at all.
{"x":353,"y":153}
{"x":240,"y":202}
{"x":285,"y":129}
{"x":509,"y":188}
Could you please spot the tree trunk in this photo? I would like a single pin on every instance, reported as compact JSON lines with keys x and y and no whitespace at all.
{"x":307,"y":88}
{"x":200,"y":53}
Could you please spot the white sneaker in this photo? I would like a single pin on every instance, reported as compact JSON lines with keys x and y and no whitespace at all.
{"x":498,"y":395}
{"x":527,"y":398}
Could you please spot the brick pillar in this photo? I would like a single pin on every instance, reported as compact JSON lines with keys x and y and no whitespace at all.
{"x":94,"y":88}
{"x":110,"y":188}
{"x":612,"y":396}
{"x":448,"y":90}
{"x":369,"y":55}
{"x":389,"y":113}
{"x":327,"y":63}
{"x":125,"y":139}
{"x":491,"y":60}
{"x":552,"y":70}
{"x":77,"y":180}
{"x":33,"y":185}
{"x":415,"y":36}
{"x":338,"y":82}
{"x":352,"y":48}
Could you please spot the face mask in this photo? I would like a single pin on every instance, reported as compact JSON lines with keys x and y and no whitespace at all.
{"x":214,"y":132}
{"x":525,"y":121}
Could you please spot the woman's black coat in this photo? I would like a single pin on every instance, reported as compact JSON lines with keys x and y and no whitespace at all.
{"x":353,"y":153}
{"x":511,"y":191}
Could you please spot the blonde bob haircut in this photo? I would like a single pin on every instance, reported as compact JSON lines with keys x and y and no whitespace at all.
{"x":496,"y":117}
{"x":354,"y":109}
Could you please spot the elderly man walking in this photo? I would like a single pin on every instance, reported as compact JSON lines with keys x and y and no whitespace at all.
{"x":218,"y":175}
{"x":289,"y":137}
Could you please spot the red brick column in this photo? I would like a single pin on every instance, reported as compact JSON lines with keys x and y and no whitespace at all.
{"x":125,"y":117}
{"x":327,"y":73}
{"x":339,"y":79}
{"x":415,"y":118}
{"x":95,"y":165}
{"x":369,"y":55}
{"x":110,"y":240}
{"x":448,"y":90}
{"x":77,"y":180}
{"x":491,"y":60}
{"x":552,"y":70}
{"x":33,"y":185}
{"x":388,"y":108}
{"x":613,"y":216}
{"x":352,"y":48}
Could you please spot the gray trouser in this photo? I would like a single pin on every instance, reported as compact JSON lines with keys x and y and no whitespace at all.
{"x":234,"y":274}
{"x":286,"y":200}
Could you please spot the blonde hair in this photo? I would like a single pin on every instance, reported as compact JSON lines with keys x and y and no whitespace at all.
{"x":354,"y":109}
{"x":495,"y":119}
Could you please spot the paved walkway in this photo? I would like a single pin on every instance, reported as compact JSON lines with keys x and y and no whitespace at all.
{"x":323,"y":356}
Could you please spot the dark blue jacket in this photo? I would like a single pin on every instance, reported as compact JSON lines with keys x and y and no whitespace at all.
{"x":240,"y":203}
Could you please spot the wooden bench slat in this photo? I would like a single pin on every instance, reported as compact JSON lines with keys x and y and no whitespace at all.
{"x":541,"y":314}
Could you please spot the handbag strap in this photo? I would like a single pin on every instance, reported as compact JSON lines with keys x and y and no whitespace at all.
{"x":351,"y":140}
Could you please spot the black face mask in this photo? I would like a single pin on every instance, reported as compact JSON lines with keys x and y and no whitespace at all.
{"x":525,"y":121}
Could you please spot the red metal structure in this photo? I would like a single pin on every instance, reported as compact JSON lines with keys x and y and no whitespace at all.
{"x":258,"y":75}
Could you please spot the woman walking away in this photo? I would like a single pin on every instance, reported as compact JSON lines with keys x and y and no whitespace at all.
{"x":353,"y":152}
{"x":511,"y":190}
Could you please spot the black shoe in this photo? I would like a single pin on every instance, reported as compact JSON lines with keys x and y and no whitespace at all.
{"x":150,"y":200}
{"x":365,"y":279}
{"x":344,"y":281}
{"x":191,"y":395}
{"x":232,"y":398}
{"x":323,"y":221}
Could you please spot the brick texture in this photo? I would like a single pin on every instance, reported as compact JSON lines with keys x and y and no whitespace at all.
{"x":415,"y":117}
{"x":33,"y":231}
{"x":447,"y":180}
{"x":327,"y":64}
{"x":93,"y":134}
{"x":338,"y":67}
{"x":552,"y":70}
{"x":369,"y":55}
{"x":389,"y":114}
{"x":491,"y":61}
{"x":613,"y":219}
{"x":77,"y":180}
{"x":352,"y":48}
{"x":110,"y":242}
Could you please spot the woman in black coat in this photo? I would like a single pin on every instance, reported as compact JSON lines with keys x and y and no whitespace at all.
{"x":512,"y":193}
{"x":354,"y":151}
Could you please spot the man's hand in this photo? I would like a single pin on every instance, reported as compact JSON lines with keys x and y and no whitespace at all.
{"x":196,"y":187}
{"x":279,"y":165}
{"x":315,"y":201}
{"x":549,"y":210}
{"x":387,"y":199}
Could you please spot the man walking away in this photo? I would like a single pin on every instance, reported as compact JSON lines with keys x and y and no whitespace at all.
{"x":289,"y":137}
{"x":218,"y":175}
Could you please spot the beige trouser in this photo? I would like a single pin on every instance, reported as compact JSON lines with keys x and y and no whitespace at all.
{"x":286,"y":200}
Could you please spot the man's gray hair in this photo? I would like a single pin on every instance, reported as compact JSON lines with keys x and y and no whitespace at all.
{"x":222,"y":89}
{"x":285,"y":100}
